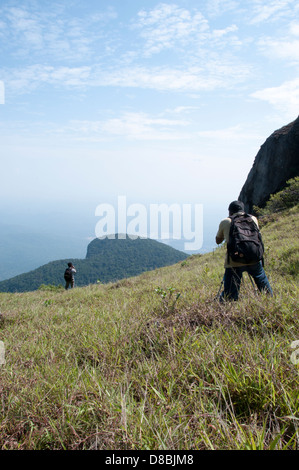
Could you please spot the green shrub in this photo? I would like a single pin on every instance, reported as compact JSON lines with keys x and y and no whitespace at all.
{"x":50,"y":287}
{"x":284,"y":199}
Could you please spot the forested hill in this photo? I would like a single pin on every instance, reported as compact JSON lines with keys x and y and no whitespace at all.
{"x":106,"y":260}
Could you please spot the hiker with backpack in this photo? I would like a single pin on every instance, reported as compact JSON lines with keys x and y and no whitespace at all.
{"x":69,"y":276}
{"x":245,"y":251}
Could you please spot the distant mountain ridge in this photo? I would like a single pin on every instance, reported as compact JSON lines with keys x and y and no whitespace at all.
{"x":107,"y":260}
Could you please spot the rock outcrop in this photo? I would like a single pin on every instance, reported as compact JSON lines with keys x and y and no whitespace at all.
{"x":276,"y":162}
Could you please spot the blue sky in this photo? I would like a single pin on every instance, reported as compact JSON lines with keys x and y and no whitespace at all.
{"x":158,"y":101}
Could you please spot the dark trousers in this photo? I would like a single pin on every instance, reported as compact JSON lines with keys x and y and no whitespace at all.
{"x":69,"y":284}
{"x":233,"y":277}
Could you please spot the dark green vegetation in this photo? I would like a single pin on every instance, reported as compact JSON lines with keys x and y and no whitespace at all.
{"x":153,"y":362}
{"x":284,"y":199}
{"x":106,"y":260}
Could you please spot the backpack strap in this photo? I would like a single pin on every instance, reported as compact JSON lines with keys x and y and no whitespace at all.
{"x":232,"y":218}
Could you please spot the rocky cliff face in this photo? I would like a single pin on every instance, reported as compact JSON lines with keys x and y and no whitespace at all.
{"x":276,"y":162}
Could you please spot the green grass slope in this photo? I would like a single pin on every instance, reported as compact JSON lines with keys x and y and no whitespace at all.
{"x":153,"y":362}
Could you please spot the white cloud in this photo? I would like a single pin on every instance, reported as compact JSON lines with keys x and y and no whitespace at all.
{"x":26,"y":25}
{"x":158,"y":78}
{"x":294,"y":28}
{"x":284,"y":98}
{"x":28,"y":79}
{"x":284,"y":46}
{"x":142,"y":127}
{"x":182,"y":109}
{"x":38,"y":31}
{"x":230,"y":134}
{"x":166,"y":26}
{"x":286,"y":49}
{"x":169,"y":27}
{"x":131,"y":126}
{"x":218,"y":7}
{"x":219,"y":33}
{"x":212,"y":75}
{"x":271,"y":10}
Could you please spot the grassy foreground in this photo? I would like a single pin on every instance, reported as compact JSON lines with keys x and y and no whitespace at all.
{"x":153,"y":362}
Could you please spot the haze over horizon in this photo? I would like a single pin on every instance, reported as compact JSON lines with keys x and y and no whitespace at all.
{"x":161,"y":102}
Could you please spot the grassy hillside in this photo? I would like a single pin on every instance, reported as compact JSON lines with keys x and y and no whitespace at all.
{"x":153,"y":362}
{"x":106,"y":260}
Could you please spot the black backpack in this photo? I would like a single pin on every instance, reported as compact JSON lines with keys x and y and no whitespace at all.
{"x":68,"y":275}
{"x":245,"y":244}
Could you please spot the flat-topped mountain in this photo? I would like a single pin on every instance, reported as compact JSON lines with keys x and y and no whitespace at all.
{"x":107,"y":260}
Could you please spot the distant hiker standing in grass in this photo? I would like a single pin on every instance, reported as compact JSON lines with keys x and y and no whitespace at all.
{"x":245,"y":251}
{"x":69,"y":276}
